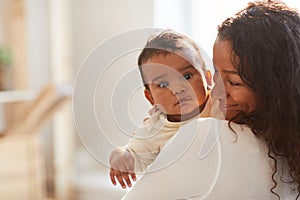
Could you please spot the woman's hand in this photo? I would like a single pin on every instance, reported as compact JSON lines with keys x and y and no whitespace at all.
{"x":121,"y":167}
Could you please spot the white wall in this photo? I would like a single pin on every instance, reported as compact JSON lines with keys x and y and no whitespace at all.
{"x":177,"y":17}
{"x":38,"y":57}
{"x":97,"y":20}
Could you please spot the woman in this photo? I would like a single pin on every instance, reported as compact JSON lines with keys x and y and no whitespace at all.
{"x":257,"y":61}
{"x":257,"y":54}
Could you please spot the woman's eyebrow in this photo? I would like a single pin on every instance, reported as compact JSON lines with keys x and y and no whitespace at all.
{"x":230,"y":72}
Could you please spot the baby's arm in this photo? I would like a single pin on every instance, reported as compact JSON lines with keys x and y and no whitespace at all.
{"x":137,"y":154}
{"x":121,"y":167}
{"x":143,"y":151}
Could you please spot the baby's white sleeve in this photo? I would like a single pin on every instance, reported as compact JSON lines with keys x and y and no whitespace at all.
{"x":143,"y":152}
{"x":145,"y":145}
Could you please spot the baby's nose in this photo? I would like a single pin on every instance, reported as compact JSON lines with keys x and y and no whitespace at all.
{"x":178,"y":89}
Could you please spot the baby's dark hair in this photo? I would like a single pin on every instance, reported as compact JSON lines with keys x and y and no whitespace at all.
{"x":170,"y":42}
{"x":266,"y":38}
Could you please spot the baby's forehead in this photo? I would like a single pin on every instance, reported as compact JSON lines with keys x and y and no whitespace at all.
{"x":191,"y":56}
{"x":168,"y":69}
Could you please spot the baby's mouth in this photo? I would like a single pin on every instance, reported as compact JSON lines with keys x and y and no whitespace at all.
{"x":182,"y":100}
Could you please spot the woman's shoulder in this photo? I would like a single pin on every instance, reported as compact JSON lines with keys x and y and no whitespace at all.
{"x":228,"y":131}
{"x":235,"y":138}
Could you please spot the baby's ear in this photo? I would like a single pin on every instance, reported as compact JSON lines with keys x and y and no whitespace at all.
{"x":148,"y":96}
{"x":208,"y":77}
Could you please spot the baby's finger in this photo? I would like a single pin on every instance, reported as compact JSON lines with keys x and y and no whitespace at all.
{"x":133,"y":176}
{"x":120,"y":179}
{"x":130,"y":169}
{"x":112,"y":176}
{"x":127,"y":179}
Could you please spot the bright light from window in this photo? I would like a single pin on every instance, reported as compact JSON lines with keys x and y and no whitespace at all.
{"x":199,"y":18}
{"x":207,"y":15}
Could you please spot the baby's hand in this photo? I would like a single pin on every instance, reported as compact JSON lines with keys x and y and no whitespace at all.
{"x":121,"y":167}
{"x":153,"y":110}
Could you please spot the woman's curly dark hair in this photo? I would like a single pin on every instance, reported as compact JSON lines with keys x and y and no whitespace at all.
{"x":266,"y":38}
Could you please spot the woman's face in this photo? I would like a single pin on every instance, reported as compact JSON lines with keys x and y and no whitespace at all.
{"x":232,"y":94}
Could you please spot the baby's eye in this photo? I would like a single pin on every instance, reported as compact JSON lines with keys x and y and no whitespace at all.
{"x":163,"y":84}
{"x":187,"y":76}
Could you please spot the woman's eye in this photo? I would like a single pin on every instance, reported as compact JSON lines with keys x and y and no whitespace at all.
{"x":163,"y":84}
{"x":233,"y":83}
{"x":187,"y":76}
{"x":216,"y":70}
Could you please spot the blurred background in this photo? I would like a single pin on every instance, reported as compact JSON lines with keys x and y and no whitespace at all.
{"x":42,"y":45}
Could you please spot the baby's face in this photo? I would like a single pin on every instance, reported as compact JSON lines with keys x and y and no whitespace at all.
{"x":175,"y":85}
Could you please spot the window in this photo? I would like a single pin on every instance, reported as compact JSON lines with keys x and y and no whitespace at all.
{"x":199,"y":19}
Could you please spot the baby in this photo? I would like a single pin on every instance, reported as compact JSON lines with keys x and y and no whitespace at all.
{"x":176,"y":84}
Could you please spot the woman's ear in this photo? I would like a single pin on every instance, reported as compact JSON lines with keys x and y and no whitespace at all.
{"x":208,"y":78}
{"x":148,"y":96}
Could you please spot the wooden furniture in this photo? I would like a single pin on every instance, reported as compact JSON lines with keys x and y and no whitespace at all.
{"x":44,"y":51}
{"x":22,"y":169}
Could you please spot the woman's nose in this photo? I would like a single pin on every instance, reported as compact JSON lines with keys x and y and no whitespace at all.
{"x":218,"y":91}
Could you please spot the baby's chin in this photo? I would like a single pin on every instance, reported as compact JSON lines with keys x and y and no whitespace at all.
{"x":183,"y":116}
{"x":187,"y":109}
{"x":184,"y":112}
